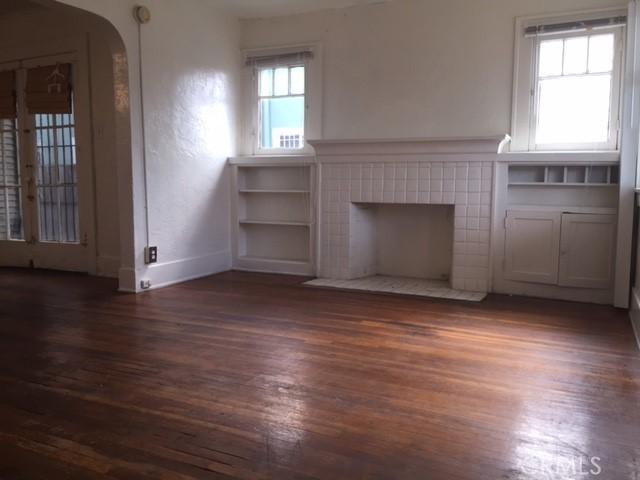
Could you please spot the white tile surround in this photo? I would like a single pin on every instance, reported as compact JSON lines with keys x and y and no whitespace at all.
{"x":460,"y":173}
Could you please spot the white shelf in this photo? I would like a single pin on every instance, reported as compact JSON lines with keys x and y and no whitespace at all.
{"x":559,"y":184}
{"x":271,"y":190}
{"x":274,"y":214}
{"x":285,"y":223}
{"x":254,"y":258}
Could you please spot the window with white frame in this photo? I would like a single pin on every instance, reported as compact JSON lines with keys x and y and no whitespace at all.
{"x":280,"y":103}
{"x":572,"y":90}
{"x":281,"y":107}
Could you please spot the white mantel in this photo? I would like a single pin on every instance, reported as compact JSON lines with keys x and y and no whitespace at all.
{"x":408,"y":146}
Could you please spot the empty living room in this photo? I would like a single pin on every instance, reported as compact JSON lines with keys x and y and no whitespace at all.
{"x":319,"y":239}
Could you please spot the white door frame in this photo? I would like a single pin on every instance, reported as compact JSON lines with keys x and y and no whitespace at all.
{"x":75,"y":257}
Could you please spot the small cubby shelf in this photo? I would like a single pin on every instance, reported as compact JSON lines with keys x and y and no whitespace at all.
{"x":564,"y":175}
{"x":274,"y":218}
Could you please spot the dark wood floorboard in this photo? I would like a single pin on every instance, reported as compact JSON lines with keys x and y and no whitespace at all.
{"x":254,"y":376}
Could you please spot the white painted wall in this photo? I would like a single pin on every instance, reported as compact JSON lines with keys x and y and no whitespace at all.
{"x":414,"y":68}
{"x":190,"y":65}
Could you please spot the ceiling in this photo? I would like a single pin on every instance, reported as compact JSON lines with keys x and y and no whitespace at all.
{"x":274,"y":8}
{"x":12,"y":6}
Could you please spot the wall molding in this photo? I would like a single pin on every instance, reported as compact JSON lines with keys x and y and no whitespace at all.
{"x":634,"y":314}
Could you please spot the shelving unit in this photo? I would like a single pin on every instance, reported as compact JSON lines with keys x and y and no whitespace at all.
{"x":564,"y":175}
{"x":563,"y":185}
{"x":556,"y":225}
{"x":274,"y":216}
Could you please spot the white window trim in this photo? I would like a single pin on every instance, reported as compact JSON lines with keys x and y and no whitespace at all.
{"x":525,"y":95}
{"x":312,"y":96}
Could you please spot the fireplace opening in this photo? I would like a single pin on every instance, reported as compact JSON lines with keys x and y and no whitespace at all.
{"x":400,"y":240}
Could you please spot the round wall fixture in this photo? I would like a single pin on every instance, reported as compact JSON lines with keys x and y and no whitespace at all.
{"x":142,"y":14}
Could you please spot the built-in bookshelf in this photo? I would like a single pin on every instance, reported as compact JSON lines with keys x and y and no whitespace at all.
{"x":274,"y":215}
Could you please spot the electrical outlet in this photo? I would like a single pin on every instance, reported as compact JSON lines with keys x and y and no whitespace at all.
{"x":145,"y":284}
{"x":150,"y":255}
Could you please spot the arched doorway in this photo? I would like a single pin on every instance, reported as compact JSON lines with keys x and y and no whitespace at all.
{"x":69,"y":204}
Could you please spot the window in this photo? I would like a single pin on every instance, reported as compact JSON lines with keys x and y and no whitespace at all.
{"x":57,"y":178}
{"x":281,"y":107}
{"x":10,"y":185}
{"x":569,"y":96}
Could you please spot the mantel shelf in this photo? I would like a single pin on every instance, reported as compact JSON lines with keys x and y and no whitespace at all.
{"x":410,"y":146}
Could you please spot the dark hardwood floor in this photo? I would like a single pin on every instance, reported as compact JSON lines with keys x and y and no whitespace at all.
{"x":255,"y":376}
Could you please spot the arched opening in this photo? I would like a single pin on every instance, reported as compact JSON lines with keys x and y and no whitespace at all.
{"x":69,"y":204}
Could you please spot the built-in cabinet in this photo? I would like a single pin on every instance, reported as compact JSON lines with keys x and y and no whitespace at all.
{"x":565,"y":249}
{"x":556,"y":226}
{"x":273,"y":215}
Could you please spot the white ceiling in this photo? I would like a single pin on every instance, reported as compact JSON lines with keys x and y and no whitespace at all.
{"x":274,"y":8}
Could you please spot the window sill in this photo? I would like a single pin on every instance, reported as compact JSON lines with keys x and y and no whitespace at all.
{"x":273,"y":160}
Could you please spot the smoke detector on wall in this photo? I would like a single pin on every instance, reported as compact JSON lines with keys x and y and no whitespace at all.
{"x":142,"y":14}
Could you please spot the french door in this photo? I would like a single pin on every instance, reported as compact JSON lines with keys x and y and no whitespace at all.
{"x":46,"y":193}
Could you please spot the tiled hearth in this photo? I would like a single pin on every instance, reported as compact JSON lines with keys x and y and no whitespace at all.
{"x":399,"y":285}
{"x":407,"y":172}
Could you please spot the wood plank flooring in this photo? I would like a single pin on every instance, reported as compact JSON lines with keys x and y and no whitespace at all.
{"x":254,"y":376}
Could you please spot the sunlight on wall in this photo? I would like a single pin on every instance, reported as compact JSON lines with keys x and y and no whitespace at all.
{"x":121,"y":82}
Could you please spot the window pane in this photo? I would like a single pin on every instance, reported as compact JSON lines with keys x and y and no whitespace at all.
{"x":15,"y":213}
{"x":575,"y":55}
{"x":282,"y":122}
{"x":56,"y":179}
{"x":601,"y":53}
{"x":10,"y":201}
{"x":574,"y":110}
{"x":550,"y":58}
{"x":297,"y":81}
{"x":281,"y":86}
{"x":266,"y":82}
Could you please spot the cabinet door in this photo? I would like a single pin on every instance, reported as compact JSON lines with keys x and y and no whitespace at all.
{"x":587,"y":248}
{"x":532,"y":246}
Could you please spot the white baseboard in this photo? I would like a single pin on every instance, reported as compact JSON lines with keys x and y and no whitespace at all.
{"x":634,"y":313}
{"x":178,"y":271}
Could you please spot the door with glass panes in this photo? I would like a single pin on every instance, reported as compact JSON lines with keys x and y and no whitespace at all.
{"x":46,"y":183}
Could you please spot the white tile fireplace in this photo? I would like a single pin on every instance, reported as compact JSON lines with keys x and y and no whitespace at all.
{"x":359,"y":178}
